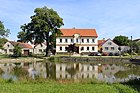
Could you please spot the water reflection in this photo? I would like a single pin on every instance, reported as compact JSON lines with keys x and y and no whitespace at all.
{"x":105,"y":72}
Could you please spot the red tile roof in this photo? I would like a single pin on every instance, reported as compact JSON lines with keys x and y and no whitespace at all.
{"x":81,"y":32}
{"x":22,"y":45}
{"x":101,"y":42}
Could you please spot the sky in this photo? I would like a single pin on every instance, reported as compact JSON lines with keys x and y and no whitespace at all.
{"x":110,"y":18}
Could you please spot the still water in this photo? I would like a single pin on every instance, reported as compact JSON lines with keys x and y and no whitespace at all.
{"x":103,"y":72}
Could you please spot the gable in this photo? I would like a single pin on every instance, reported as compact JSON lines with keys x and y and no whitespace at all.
{"x":109,"y":42}
{"x":8,"y":45}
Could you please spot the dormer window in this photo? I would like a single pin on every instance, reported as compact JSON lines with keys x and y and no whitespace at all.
{"x":109,"y":43}
{"x":77,"y":40}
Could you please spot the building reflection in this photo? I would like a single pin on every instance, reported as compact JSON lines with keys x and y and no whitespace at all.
{"x":104,"y":72}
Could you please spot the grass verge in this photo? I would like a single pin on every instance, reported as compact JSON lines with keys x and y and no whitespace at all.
{"x":59,"y":87}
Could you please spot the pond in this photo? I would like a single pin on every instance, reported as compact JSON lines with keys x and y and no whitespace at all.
{"x":102,"y":72}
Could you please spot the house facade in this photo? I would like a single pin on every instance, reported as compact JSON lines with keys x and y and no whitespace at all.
{"x":39,"y":48}
{"x":108,"y":46}
{"x":9,"y":46}
{"x":85,"y":40}
{"x":137,"y":40}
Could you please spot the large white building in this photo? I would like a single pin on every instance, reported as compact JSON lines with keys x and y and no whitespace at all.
{"x":85,"y":40}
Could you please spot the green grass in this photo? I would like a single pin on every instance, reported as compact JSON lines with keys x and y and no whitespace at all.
{"x":57,"y":87}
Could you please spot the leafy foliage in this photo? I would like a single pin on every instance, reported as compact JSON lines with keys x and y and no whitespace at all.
{"x":3,"y":32}
{"x":2,"y":42}
{"x":136,"y":47}
{"x":17,"y":50}
{"x":43,"y":23}
{"x":21,"y":35}
{"x":121,"y":40}
{"x":72,"y":48}
{"x":55,"y":87}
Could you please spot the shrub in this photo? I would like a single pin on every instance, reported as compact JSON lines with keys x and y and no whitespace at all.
{"x":134,"y":53}
{"x":110,"y":54}
{"x":117,"y":54}
{"x":125,"y":54}
{"x":105,"y":54}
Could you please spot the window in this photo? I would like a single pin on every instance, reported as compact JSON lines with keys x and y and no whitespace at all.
{"x":60,"y":68}
{"x":109,"y":43}
{"x":5,"y":50}
{"x":40,"y":50}
{"x":71,"y":40}
{"x":60,"y":48}
{"x":82,"y":68}
{"x":77,"y":40}
{"x":8,"y":45}
{"x":60,"y":76}
{"x":93,"y":48}
{"x":106,"y":48}
{"x":93,"y":68}
{"x":87,"y":48}
{"x":82,"y":40}
{"x":10,"y":50}
{"x":82,"y":75}
{"x":82,"y":48}
{"x":87,"y":68}
{"x":66,"y":40}
{"x":112,"y":48}
{"x":93,"y":41}
{"x":88,"y":76}
{"x":112,"y":68}
{"x":60,"y":40}
{"x":66,"y":76}
{"x":87,"y":40}
{"x":44,"y":50}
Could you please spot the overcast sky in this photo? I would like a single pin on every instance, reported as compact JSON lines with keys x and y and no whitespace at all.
{"x":110,"y":18}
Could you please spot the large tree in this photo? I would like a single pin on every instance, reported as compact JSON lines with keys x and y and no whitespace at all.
{"x":2,"y":42}
{"x":21,"y":35}
{"x":135,"y":46}
{"x":43,"y":23}
{"x":3,"y":31}
{"x":121,"y":40}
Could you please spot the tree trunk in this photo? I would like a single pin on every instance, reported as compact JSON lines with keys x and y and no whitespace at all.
{"x":47,"y":44}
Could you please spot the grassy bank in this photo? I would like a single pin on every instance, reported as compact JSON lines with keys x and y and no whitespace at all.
{"x":63,"y":87}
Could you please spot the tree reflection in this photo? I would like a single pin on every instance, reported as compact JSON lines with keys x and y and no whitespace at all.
{"x":19,"y":72}
{"x":1,"y":71}
{"x":133,"y":70}
{"x":72,"y":69}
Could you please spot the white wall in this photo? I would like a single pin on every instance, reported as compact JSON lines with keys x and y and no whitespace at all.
{"x":7,"y":47}
{"x":84,"y":44}
{"x":109,"y":47}
{"x":38,"y":48}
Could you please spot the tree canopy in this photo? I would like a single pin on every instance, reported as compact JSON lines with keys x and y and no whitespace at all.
{"x":2,"y":42}
{"x":121,"y":40}
{"x":3,"y":32}
{"x":43,"y":23}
